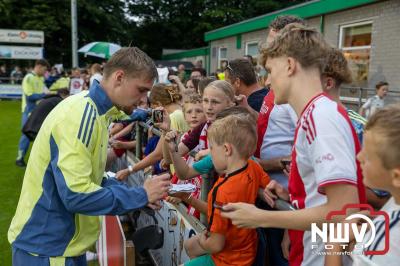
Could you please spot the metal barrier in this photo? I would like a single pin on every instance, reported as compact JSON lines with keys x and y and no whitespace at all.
{"x":141,"y":127}
{"x":10,"y":91}
{"x":355,"y":97}
{"x":11,"y":80}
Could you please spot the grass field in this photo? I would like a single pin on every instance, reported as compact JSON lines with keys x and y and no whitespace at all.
{"x":11,"y":176}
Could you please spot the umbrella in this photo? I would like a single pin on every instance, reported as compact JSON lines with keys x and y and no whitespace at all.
{"x":100,"y":49}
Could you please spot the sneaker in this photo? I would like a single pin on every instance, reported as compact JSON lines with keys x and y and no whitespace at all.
{"x":20,"y":163}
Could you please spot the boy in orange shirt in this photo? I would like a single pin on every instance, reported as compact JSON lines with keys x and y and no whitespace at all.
{"x":232,"y":140}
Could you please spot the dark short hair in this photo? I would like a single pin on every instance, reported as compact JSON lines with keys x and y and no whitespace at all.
{"x":281,"y":21}
{"x":202,"y":71}
{"x":249,"y":57}
{"x":195,"y":82}
{"x":203,"y":83}
{"x":380,"y":84}
{"x":242,"y":68}
{"x":42,"y":62}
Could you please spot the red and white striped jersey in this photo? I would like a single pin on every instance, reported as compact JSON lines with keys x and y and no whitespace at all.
{"x":324,"y":153}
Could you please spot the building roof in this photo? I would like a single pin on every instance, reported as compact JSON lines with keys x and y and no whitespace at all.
{"x":186,"y":54}
{"x":305,"y":10}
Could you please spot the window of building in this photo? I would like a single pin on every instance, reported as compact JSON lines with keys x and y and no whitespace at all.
{"x":355,"y":42}
{"x":222,"y":57}
{"x":252,"y":49}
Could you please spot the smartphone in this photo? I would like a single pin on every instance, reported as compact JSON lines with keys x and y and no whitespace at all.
{"x":219,"y":205}
{"x":176,"y":140}
{"x":157,"y":116}
{"x":286,"y":162}
{"x":283,"y":205}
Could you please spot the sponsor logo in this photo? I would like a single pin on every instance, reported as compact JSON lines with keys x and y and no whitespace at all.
{"x":356,"y":227}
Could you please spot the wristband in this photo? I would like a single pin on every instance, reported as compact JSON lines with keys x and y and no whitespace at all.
{"x":130,"y":168}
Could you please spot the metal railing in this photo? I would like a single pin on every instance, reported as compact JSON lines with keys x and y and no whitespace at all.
{"x":11,"y":80}
{"x":206,"y":183}
{"x":355,"y":97}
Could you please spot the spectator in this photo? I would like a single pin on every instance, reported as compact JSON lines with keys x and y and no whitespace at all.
{"x":4,"y":77}
{"x":240,"y":73}
{"x":336,"y":72}
{"x":194,"y":116}
{"x":203,"y":83}
{"x":61,"y":83}
{"x":198,"y":64}
{"x":276,"y":126}
{"x":276,"y":123}
{"x":376,"y":102}
{"x":205,"y":165}
{"x":193,"y":84}
{"x":16,"y":75}
{"x":53,"y":76}
{"x":379,"y":158}
{"x":218,"y":95}
{"x":76,"y":81}
{"x":166,"y":97}
{"x":95,"y":74}
{"x":249,"y":58}
{"x":232,"y":141}
{"x":86,"y":79}
{"x":318,"y":184}
{"x":198,"y":73}
{"x":182,"y":73}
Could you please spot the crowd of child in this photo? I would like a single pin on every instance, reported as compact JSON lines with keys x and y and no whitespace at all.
{"x":287,"y":137}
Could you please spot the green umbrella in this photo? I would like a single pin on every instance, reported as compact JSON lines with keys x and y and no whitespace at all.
{"x":100,"y":49}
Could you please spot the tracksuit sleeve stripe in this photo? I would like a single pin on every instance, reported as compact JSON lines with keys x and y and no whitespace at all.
{"x":111,"y":200}
{"x":82,"y":121}
{"x":91,"y":130}
{"x":87,"y":123}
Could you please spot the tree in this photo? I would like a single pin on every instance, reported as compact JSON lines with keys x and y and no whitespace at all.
{"x":97,"y":21}
{"x":148,"y":24}
{"x":182,"y":24}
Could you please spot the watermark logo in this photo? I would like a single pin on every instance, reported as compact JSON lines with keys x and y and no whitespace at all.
{"x":363,"y":232}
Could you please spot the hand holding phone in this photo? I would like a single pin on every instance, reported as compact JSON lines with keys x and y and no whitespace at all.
{"x":219,"y":205}
{"x":285,"y":162}
{"x":286,"y":165}
{"x":157,"y":116}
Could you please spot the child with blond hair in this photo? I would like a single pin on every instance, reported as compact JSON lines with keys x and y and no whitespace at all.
{"x":324,"y":174}
{"x":232,"y":140}
{"x":217,"y":96}
{"x":194,"y":116}
{"x":168,"y":98}
{"x":380,"y":164}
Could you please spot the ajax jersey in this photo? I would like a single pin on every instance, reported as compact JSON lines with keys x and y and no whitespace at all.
{"x":324,"y":153}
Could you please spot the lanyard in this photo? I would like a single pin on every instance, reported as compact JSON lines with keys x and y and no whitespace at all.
{"x":214,"y":194}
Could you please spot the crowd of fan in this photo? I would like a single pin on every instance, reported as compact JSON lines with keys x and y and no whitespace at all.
{"x":262,"y":142}
{"x":286,"y":135}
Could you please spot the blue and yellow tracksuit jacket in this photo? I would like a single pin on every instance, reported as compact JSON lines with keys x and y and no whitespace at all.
{"x":64,"y":190}
{"x":32,"y":91}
